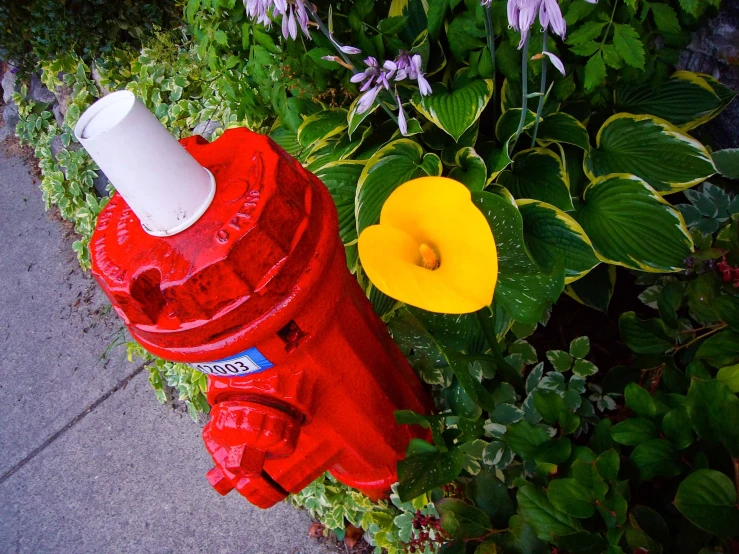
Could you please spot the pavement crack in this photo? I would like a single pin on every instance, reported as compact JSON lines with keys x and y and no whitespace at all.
{"x":75,"y":420}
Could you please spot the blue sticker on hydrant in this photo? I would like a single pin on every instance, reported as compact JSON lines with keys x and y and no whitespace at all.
{"x":245,"y":363}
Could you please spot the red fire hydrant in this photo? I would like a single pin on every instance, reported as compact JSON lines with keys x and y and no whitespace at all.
{"x":303,"y":377}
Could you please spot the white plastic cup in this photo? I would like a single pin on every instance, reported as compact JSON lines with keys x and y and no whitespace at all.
{"x":162,"y":183}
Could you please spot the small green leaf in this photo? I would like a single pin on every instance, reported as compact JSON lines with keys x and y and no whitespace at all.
{"x":548,"y":522}
{"x":729,"y":376}
{"x":628,"y":45}
{"x":580,"y":347}
{"x":524,"y":438}
{"x":561,"y":360}
{"x":640,"y":401}
{"x":490,"y":494}
{"x":420,"y":473}
{"x":665,"y":18}
{"x":714,"y":411}
{"x":727,"y":162}
{"x":708,"y":499}
{"x":462,"y":520}
{"x":608,"y":464}
{"x":571,"y":497}
{"x":595,"y":72}
{"x":549,"y":404}
{"x":634,"y":431}
{"x":720,"y":349}
{"x":676,"y":427}
{"x":644,"y":336}
{"x":656,"y":457}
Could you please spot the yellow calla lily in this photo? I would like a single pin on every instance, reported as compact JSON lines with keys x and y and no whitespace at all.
{"x":432,"y":248}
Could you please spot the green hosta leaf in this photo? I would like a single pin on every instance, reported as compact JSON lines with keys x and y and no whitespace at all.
{"x":640,"y":401}
{"x":686,"y":99}
{"x":580,"y":347}
{"x":571,"y":497}
{"x":727,"y":162}
{"x":562,"y":127}
{"x":708,"y":499}
{"x":629,"y":224}
{"x":287,"y":139}
{"x":456,"y":110}
{"x":341,"y":179}
{"x":470,"y":169}
{"x":595,"y":289}
{"x":561,"y":360}
{"x":321,"y":126}
{"x":507,"y":124}
{"x":354,"y":119}
{"x":548,"y":522}
{"x":595,"y":72}
{"x":656,"y":457}
{"x":419,"y":473}
{"x":539,"y":174}
{"x":391,"y":166}
{"x":628,"y":45}
{"x":650,"y":148}
{"x":552,"y":235}
{"x":729,"y":376}
{"x":644,"y":336}
{"x":523,"y":289}
{"x":634,"y":431}
{"x":714,"y":411}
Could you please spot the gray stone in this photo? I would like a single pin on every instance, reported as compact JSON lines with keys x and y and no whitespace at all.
{"x":64,"y":97}
{"x":95,"y":74}
{"x":10,"y":85}
{"x":58,"y":115}
{"x":714,"y":50}
{"x":100,"y":183}
{"x":38,"y":91}
{"x":57,"y":146}
{"x":11,"y":116}
{"x":206,"y":128}
{"x":90,"y":461}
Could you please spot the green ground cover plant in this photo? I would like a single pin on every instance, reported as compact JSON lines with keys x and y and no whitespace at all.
{"x":565,"y":422}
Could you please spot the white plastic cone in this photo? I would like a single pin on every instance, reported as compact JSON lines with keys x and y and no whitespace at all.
{"x":162,"y":183}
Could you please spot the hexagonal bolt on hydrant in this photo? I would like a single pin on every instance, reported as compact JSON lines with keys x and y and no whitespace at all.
{"x":226,"y":256}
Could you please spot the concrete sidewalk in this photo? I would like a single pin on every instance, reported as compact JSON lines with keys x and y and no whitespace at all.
{"x":89,"y":460}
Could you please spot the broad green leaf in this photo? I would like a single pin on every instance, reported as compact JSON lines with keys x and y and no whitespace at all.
{"x":727,"y":162}
{"x":562,"y":127}
{"x":729,"y":376}
{"x":456,"y":110}
{"x":634,"y":431}
{"x":650,"y":148}
{"x":640,"y":401}
{"x":551,"y":235}
{"x":462,"y":520}
{"x":665,"y":18}
{"x":436,"y":13}
{"x":686,"y":99}
{"x":455,"y":332}
{"x":354,"y":119}
{"x":420,"y":473}
{"x":571,"y":497}
{"x":548,"y":522}
{"x":656,"y":457}
{"x":676,"y":427}
{"x":523,"y":289}
{"x":629,"y":224}
{"x":594,"y":289}
{"x":586,"y":32}
{"x":490,"y":494}
{"x":720,"y":349}
{"x":708,"y":499}
{"x":391,"y":166}
{"x":287,"y":139}
{"x":714,"y":411}
{"x":321,"y":126}
{"x":538,"y":173}
{"x":521,"y":539}
{"x":549,"y":404}
{"x":608,"y":464}
{"x":628,"y":45}
{"x":341,"y":180}
{"x":464,"y":35}
{"x":469,"y":169}
{"x":524,"y":438}
{"x":644,"y":336}
{"x":507,"y":124}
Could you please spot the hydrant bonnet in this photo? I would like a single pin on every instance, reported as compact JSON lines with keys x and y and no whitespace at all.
{"x":162,"y":183}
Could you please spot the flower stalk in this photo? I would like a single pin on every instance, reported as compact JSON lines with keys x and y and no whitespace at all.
{"x":543,"y":89}
{"x":524,"y":90}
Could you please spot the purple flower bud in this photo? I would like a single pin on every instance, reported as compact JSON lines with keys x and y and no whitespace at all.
{"x":556,"y":62}
{"x":367,"y":99}
{"x":402,"y":124}
{"x":350,"y":50}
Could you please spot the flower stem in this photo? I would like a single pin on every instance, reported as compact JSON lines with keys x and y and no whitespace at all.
{"x":524,"y":91}
{"x":543,"y":89}
{"x":490,"y":34}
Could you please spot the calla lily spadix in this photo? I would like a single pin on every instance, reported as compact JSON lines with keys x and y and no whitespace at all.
{"x":432,"y":249}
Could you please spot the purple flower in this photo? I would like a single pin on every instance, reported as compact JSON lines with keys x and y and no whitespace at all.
{"x":402,"y":124}
{"x":350,"y":50}
{"x":367,"y":99}
{"x":553,"y":58}
{"x":293,"y":14}
{"x":551,"y":16}
{"x":411,"y":67}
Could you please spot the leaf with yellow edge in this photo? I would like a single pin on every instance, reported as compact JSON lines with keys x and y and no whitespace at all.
{"x":538,"y":173}
{"x":631,"y":225}
{"x":552,"y":235}
{"x":650,"y":148}
{"x":321,"y":126}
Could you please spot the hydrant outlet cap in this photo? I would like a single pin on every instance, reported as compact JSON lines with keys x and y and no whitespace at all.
{"x":162,"y":183}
